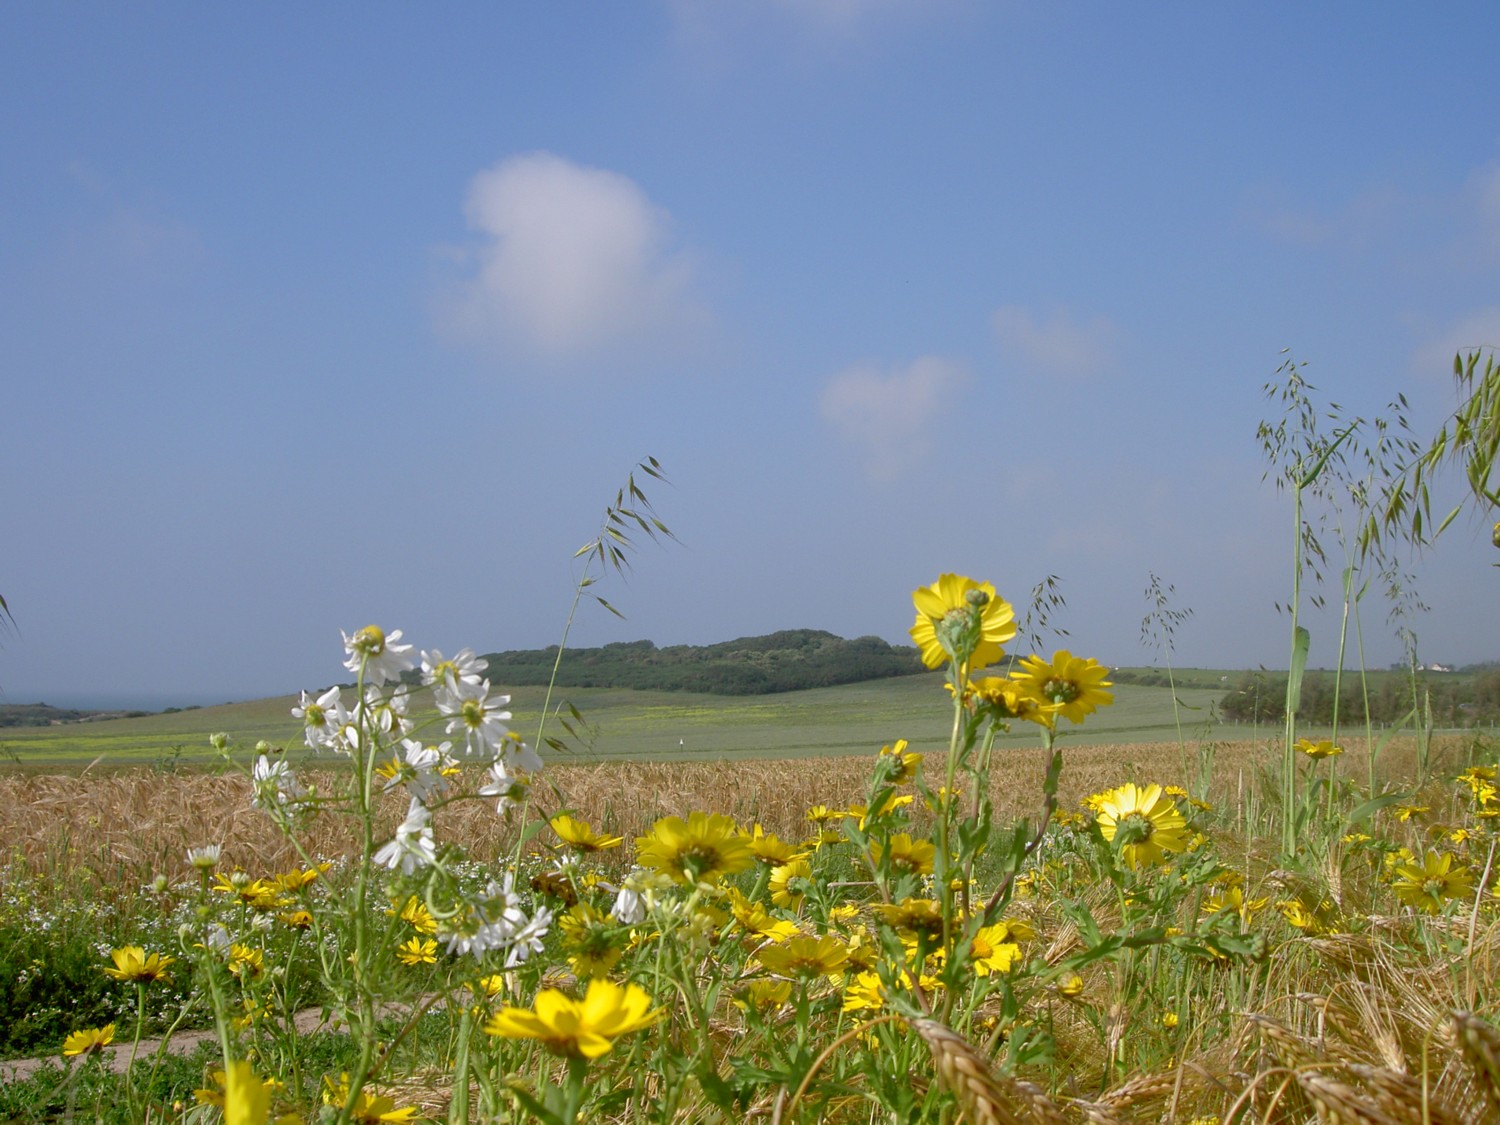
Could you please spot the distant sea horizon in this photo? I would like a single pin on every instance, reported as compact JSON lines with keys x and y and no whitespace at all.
{"x":120,"y":701}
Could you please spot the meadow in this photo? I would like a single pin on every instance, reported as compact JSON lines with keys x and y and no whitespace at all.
{"x":619,"y":724}
{"x":1091,"y":983}
{"x":1010,"y":892}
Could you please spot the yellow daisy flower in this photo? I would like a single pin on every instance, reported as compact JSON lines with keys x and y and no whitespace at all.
{"x":918,"y":917}
{"x":1075,"y":686}
{"x":132,"y":964}
{"x":761,"y":926}
{"x":991,"y":952}
{"x":1233,"y":899}
{"x":1319,"y":750}
{"x":584,"y":1028}
{"x":864,"y":993}
{"x":702,"y":849}
{"x":890,"y":805}
{"x":89,"y":1041}
{"x":905,"y":762}
{"x":1436,"y":880}
{"x":368,"y":1108}
{"x":417,"y":951}
{"x":763,"y":995}
{"x":769,"y":849}
{"x":258,"y":894}
{"x":957,"y":616}
{"x":1143,"y":823}
{"x":1005,"y":699}
{"x":294,"y":881}
{"x":784,"y":889}
{"x":591,"y":940}
{"x":577,"y":835}
{"x":906,"y":854}
{"x":1069,"y":986}
{"x":415,"y":914}
{"x":805,"y":956}
{"x":246,"y":960}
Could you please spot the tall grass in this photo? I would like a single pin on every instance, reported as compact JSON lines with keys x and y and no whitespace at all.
{"x":1054,"y":932}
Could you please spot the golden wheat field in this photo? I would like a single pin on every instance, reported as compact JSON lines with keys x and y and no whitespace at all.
{"x":1364,"y":1026}
{"x":127,"y":827}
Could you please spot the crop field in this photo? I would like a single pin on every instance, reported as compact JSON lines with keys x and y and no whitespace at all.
{"x":634,"y":725}
{"x":1034,"y":899}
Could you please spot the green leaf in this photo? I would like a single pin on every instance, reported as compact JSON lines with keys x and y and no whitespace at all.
{"x":1301,"y":642}
{"x":1365,"y":811}
{"x":717,"y":1090}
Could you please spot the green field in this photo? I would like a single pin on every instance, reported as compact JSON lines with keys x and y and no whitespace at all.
{"x":627,"y":724}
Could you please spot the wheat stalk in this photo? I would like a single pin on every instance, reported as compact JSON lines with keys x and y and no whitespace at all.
{"x":1479,"y":1044}
{"x":1341,"y":1104}
{"x":985,"y":1098}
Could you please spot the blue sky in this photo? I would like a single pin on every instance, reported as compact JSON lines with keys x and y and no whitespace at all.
{"x":314,"y":316}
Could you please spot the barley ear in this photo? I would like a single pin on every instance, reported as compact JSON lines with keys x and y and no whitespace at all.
{"x":1480,"y":1045}
{"x":1341,"y":1104}
{"x":984,"y":1098}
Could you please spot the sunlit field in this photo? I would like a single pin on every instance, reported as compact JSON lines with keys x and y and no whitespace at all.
{"x":619,"y":724}
{"x":1008,"y":891}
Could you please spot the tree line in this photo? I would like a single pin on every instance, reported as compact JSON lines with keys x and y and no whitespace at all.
{"x":1455,"y":700}
{"x":789,"y":660}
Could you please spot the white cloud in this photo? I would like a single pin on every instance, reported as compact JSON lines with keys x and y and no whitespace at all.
{"x":1480,"y":329}
{"x":889,"y":416}
{"x":574,"y":260}
{"x":1057,"y":344}
{"x":1357,"y":222}
{"x":1486,"y":189}
{"x":845,"y":14}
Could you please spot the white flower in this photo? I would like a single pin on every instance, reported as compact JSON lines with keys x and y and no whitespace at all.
{"x":464,"y":668}
{"x":386,"y":713}
{"x":472,"y":935}
{"x":321,"y":718}
{"x":500,"y":904}
{"x":503,"y":784}
{"x":375,"y":656}
{"x":205,"y":858}
{"x":274,"y":783}
{"x":420,"y":772}
{"x":518,"y":755}
{"x":413,"y":847}
{"x":629,"y":908}
{"x":529,"y":939}
{"x":478,"y":717}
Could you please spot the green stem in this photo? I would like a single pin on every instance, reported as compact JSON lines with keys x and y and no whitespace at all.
{"x":1289,"y":738}
{"x":458,"y":1112}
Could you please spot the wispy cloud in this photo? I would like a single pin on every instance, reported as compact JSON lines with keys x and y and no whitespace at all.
{"x":728,"y":27}
{"x":1479,"y":329}
{"x":889,"y":416}
{"x":1485,"y":186}
{"x":1364,"y":217}
{"x":1058,"y":343}
{"x":571,"y":261}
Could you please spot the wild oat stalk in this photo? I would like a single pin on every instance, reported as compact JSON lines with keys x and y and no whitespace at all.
{"x":1159,"y":631}
{"x":1469,"y":439}
{"x":630,"y":514}
{"x":1298,"y":454}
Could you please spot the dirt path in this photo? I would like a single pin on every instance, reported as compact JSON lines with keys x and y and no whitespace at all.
{"x":117,"y":1054}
